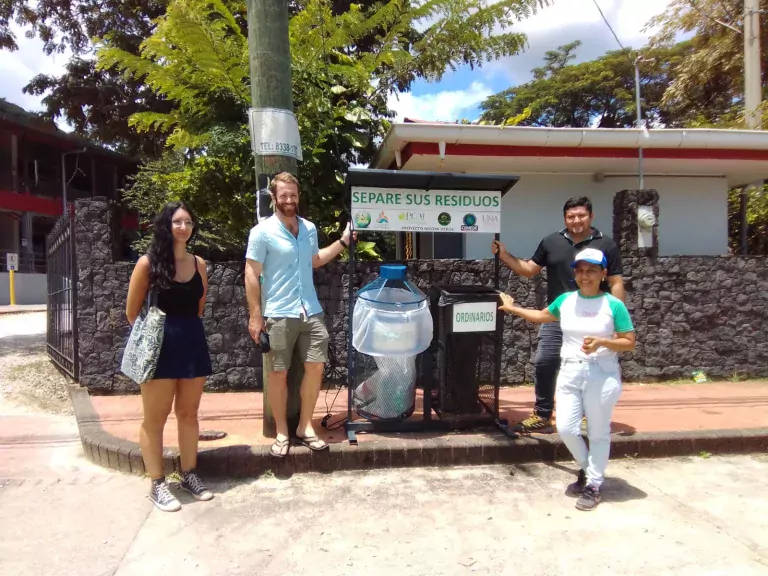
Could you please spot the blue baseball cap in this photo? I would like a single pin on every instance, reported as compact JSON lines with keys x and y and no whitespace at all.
{"x":591,"y":255}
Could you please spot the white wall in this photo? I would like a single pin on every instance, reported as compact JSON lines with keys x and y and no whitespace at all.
{"x":693,"y":213}
{"x":30,"y":288}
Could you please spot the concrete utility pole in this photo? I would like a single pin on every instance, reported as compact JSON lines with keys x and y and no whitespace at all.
{"x":753,"y":92}
{"x":753,"y":82}
{"x":638,"y":106}
{"x":270,"y":62}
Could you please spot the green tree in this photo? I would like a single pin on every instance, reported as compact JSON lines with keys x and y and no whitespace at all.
{"x":196,"y":59}
{"x":708,"y":88}
{"x":757,"y":221}
{"x":598,"y":92}
{"x":96,"y":103}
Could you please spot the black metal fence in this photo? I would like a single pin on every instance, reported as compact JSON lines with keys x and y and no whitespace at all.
{"x":62,"y":296}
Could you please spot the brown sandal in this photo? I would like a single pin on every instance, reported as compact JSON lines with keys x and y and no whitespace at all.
{"x":280,"y":445}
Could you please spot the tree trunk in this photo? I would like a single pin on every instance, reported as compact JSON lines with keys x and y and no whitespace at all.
{"x":270,"y":61}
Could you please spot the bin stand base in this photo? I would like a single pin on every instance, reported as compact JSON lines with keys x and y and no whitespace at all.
{"x":418,"y":425}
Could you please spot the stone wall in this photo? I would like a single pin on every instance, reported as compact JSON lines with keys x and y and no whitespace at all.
{"x":697,"y":314}
{"x":690,"y":313}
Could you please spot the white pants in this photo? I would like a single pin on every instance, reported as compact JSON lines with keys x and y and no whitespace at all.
{"x":592,"y":388}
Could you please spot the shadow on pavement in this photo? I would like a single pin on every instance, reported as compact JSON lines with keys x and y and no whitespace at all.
{"x":619,"y":490}
{"x":613,"y":489}
{"x":29,"y":343}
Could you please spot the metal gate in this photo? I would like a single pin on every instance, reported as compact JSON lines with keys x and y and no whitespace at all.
{"x":61,"y":335}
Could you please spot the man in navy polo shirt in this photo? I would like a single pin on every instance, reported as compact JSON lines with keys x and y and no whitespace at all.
{"x":556,"y":253}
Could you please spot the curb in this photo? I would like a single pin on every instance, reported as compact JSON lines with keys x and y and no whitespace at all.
{"x":243,"y":461}
{"x":8,"y":310}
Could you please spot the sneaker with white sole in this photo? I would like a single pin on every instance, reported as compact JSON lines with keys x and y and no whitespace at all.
{"x":161,"y":496}
{"x":589,"y":499}
{"x":535,"y":424}
{"x":192,"y":484}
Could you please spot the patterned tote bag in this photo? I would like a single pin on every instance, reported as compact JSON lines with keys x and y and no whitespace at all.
{"x":144,"y":343}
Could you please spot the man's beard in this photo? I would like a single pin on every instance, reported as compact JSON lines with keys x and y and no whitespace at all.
{"x":287,"y":212}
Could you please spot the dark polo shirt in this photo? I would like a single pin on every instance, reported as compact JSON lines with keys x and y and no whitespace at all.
{"x":557,"y":251}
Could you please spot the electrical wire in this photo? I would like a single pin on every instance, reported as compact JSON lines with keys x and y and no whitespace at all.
{"x":609,"y":25}
{"x":636,"y":65}
{"x":332,"y":375}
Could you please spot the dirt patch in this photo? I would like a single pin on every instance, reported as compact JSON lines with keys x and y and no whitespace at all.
{"x":33,"y":380}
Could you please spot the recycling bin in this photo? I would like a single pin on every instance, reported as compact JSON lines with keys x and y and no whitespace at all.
{"x":391,"y":326}
{"x":467,"y":350}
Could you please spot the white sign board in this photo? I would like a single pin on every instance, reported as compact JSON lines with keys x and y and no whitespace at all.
{"x":474,"y":317}
{"x":13,"y":262}
{"x":408,"y":210}
{"x":275,"y":132}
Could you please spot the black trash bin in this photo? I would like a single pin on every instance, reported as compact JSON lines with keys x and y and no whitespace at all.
{"x":467,"y":345}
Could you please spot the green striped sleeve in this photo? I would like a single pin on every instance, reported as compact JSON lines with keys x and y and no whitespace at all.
{"x":554,"y":308}
{"x":621,"y":320}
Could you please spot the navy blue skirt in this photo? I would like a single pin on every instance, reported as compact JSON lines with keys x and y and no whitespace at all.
{"x":185,"y":350}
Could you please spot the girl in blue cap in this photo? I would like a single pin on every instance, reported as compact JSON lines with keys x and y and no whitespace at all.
{"x":596,"y":327}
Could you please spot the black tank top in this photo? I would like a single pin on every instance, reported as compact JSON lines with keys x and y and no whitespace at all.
{"x":182,"y":298}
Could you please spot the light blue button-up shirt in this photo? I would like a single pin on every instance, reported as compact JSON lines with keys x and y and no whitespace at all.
{"x":287,"y":285}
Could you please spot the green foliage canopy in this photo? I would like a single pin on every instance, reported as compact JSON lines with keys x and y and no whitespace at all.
{"x":196,"y":59}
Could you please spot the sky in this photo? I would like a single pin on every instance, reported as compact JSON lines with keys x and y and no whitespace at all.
{"x":19,"y":67}
{"x":459,"y":93}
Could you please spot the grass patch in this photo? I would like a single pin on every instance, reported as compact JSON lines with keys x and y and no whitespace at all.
{"x":20,"y":371}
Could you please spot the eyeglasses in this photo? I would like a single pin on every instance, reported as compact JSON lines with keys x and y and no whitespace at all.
{"x":180,"y":223}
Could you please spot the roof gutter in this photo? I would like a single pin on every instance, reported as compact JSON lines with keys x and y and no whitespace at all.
{"x":400,"y":135}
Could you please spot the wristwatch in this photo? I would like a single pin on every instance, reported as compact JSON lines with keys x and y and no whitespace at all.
{"x":343,"y":243}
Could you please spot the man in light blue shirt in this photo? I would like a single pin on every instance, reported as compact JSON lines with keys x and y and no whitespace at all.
{"x":283,"y":250}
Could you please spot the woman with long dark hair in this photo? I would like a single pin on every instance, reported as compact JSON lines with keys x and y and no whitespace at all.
{"x":177,"y":282}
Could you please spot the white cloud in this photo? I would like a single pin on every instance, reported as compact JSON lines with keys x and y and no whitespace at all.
{"x":569,"y":20}
{"x":444,"y":105}
{"x":18,"y":68}
{"x":561,"y":23}
{"x":627,"y":17}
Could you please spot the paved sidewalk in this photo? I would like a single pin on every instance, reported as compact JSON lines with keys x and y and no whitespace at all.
{"x":650,"y":421}
{"x":657,"y":518}
{"x":642,"y":408}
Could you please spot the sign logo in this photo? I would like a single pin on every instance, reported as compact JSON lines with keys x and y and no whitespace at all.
{"x":491,"y":219}
{"x":362,"y":220}
{"x":411,"y":216}
{"x":382,"y":218}
{"x":444,"y":219}
{"x":469,"y":223}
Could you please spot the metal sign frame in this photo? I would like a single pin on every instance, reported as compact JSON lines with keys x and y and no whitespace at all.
{"x":424,"y":181}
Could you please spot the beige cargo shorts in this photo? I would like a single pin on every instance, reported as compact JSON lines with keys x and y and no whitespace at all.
{"x":309,"y":333}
